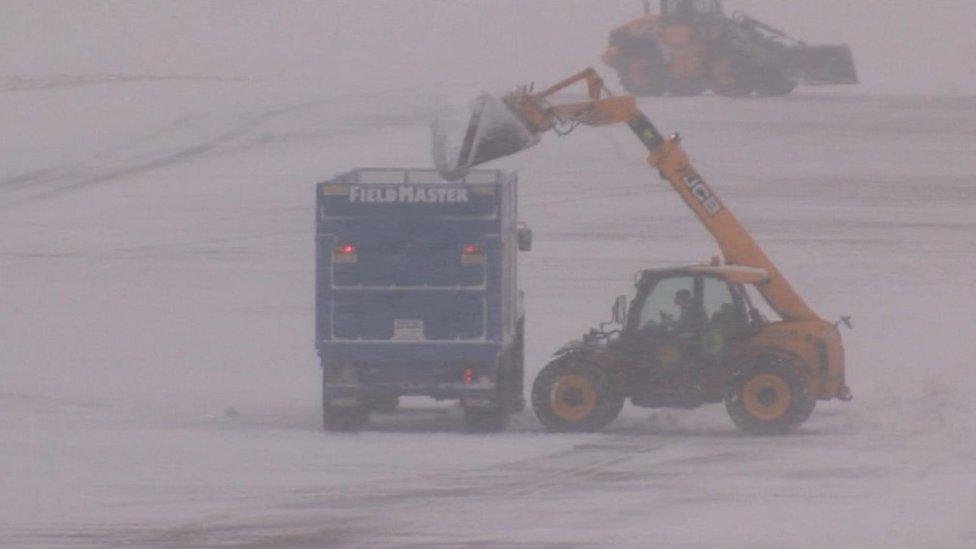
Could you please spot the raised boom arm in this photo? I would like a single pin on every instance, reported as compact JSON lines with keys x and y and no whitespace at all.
{"x":537,"y":115}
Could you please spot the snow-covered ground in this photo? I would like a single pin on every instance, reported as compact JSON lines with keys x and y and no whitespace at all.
{"x":159,"y":387}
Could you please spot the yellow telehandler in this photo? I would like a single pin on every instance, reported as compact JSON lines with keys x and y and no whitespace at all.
{"x":690,"y":335}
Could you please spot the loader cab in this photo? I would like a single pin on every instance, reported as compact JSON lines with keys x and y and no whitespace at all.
{"x":691,"y":316}
{"x":689,"y":12}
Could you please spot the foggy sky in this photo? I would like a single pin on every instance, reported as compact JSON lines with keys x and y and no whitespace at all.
{"x":900,"y":46}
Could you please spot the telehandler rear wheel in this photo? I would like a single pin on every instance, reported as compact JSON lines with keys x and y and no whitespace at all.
{"x":571,"y":395}
{"x":769,"y":396}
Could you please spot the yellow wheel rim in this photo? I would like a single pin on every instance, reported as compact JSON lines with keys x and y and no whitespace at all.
{"x":639,"y":71}
{"x":572,"y":397}
{"x":723,"y":72}
{"x":766,"y":397}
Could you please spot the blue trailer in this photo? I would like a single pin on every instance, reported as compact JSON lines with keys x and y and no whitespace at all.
{"x":416,"y":294}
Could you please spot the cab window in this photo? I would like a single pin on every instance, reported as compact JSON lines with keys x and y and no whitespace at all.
{"x":660,"y":303}
{"x":720,"y":305}
{"x":718,"y":301}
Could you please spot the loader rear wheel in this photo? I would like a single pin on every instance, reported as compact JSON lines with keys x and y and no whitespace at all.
{"x":731,"y":78}
{"x":687,"y":87}
{"x":770,"y":396}
{"x":644,"y":73}
{"x":571,"y":395}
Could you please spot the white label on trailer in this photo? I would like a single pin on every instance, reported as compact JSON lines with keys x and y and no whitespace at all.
{"x":408,"y":194}
{"x":408,"y":329}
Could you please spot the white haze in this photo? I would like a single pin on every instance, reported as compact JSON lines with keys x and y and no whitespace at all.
{"x":158,"y":381}
{"x":900,"y":46}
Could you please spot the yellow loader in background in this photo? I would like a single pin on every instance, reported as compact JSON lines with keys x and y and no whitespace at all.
{"x":691,"y":46}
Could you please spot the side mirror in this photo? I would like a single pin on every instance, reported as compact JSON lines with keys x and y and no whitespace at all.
{"x":620,"y":309}
{"x":524,"y":238}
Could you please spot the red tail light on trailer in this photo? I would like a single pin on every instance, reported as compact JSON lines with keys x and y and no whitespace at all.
{"x":472,"y":254}
{"x":344,"y":253}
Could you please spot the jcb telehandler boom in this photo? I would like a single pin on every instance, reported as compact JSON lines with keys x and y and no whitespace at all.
{"x":768,"y":373}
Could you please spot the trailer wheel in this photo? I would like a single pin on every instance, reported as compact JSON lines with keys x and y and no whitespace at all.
{"x":342,"y":418}
{"x":571,"y":395}
{"x":345,"y":419}
{"x":384,"y":404}
{"x":769,"y":396}
{"x":687,"y":87}
{"x":486,"y":420}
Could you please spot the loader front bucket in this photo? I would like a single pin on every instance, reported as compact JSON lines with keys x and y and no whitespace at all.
{"x":464,"y":136}
{"x":824,"y":65}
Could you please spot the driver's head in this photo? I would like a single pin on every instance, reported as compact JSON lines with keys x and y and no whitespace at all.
{"x":682,"y":298}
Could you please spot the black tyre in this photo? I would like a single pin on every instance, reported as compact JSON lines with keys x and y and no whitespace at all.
{"x":687,"y":87}
{"x":775,"y":85}
{"x":769,"y":396}
{"x":571,"y":395}
{"x":342,"y":418}
{"x":345,"y":419}
{"x":732,"y":77}
{"x":643,"y":72}
{"x":486,"y":420}
{"x":385,"y":404}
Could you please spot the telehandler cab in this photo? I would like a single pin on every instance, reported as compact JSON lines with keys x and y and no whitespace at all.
{"x":690,"y":335}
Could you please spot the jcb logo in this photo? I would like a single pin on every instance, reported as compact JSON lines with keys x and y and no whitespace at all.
{"x":701,"y":192}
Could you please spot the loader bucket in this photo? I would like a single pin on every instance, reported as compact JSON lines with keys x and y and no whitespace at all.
{"x":486,"y":129}
{"x":824,"y":65}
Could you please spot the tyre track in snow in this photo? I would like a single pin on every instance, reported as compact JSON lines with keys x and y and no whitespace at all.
{"x":309,"y":517}
{"x":52,"y":182}
{"x":25,"y":82}
{"x":72,"y":180}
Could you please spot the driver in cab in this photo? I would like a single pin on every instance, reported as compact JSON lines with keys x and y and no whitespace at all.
{"x":692,"y":318}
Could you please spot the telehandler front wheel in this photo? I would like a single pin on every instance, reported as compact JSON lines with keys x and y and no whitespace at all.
{"x":769,"y":396}
{"x":570,"y":395}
